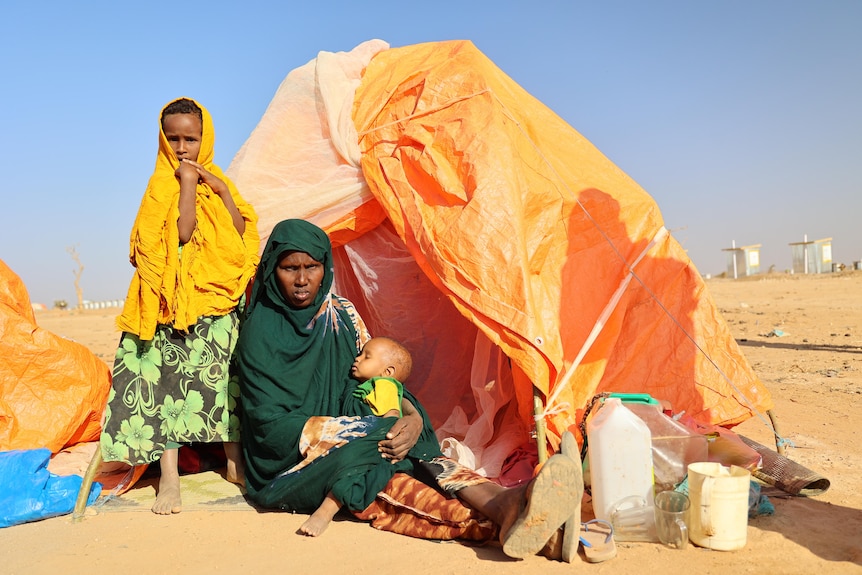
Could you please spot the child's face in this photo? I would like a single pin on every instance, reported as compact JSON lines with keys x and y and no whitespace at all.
{"x":184,"y":132}
{"x":372,"y":361}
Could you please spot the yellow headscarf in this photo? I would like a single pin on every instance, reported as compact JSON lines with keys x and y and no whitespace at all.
{"x":217,"y":263}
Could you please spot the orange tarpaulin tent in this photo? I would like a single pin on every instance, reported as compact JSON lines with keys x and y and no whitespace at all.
{"x":53,"y":393}
{"x":491,"y":238}
{"x":52,"y":390}
{"x":472,"y":224}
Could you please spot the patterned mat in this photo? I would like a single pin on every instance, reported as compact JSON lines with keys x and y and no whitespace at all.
{"x":208,"y":491}
{"x":789,"y":476}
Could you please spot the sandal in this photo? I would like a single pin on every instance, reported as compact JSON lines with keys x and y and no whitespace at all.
{"x":597,"y":537}
{"x":551,"y":497}
{"x":571,"y":530}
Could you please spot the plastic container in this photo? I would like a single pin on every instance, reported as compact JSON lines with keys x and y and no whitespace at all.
{"x":633,"y":519}
{"x":628,"y":399}
{"x":620,"y":451}
{"x":636,"y":398}
{"x":719,"y":505}
{"x":674,"y":446}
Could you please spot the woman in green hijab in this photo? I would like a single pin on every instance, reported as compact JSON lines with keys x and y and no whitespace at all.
{"x":296,"y":348}
{"x":295,"y":351}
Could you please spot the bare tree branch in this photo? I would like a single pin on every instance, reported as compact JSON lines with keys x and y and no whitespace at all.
{"x":78,"y":290}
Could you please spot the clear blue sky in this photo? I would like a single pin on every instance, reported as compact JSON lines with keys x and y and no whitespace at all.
{"x":742,"y":119}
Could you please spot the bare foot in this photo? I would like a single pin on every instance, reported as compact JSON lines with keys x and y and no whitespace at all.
{"x":168,"y":498}
{"x":235,"y":472}
{"x":321,"y":518}
{"x":500,"y":504}
{"x":509,"y":504}
{"x":550,"y":500}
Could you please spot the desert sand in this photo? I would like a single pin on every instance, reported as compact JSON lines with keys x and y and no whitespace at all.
{"x":802,"y":335}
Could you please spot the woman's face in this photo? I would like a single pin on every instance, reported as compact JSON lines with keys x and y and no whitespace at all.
{"x":299,"y":277}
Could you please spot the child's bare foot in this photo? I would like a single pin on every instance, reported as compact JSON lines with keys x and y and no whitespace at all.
{"x":168,"y":498}
{"x":321,"y":518}
{"x":315,"y":524}
{"x":235,"y":472}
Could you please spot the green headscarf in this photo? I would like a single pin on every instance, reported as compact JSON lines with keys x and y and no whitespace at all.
{"x":293,"y":363}
{"x":299,"y":236}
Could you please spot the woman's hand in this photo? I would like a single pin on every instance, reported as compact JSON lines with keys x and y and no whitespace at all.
{"x":403,"y":435}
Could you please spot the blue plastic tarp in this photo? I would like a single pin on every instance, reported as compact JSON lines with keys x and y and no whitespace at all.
{"x":29,"y":492}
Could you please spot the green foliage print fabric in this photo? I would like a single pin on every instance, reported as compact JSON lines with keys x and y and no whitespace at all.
{"x":176,"y":387}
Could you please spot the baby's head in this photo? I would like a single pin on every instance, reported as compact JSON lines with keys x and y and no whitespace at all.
{"x":382,"y":356}
{"x":182,"y":123}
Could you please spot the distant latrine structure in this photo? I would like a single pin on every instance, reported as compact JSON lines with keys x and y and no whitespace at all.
{"x":812,"y":257}
{"x":742,"y":261}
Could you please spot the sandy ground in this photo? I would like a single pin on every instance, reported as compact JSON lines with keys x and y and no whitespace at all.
{"x":813,"y":369}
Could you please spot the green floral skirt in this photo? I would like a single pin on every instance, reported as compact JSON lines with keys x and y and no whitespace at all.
{"x":174,"y":388}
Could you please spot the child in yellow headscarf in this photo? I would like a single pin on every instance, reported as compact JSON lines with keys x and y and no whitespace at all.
{"x":194,"y":247}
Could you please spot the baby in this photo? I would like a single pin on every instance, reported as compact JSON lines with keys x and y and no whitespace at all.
{"x":381,"y":366}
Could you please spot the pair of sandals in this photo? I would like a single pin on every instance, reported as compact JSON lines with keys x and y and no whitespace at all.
{"x":550,"y":521}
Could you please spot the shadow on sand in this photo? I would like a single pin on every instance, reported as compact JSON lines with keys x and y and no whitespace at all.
{"x":827,"y":530}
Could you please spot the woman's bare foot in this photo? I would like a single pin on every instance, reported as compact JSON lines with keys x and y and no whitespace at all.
{"x":321,"y":518}
{"x":235,"y":472}
{"x":551,"y":499}
{"x":499,"y":504}
{"x":508,"y":505}
{"x":168,"y":498}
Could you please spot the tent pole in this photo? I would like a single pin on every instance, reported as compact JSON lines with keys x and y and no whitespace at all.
{"x":83,"y":494}
{"x":779,"y":446}
{"x":541,"y":436}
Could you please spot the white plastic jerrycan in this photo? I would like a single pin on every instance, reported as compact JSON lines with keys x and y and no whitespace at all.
{"x":620,"y":451}
{"x":719,"y":505}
